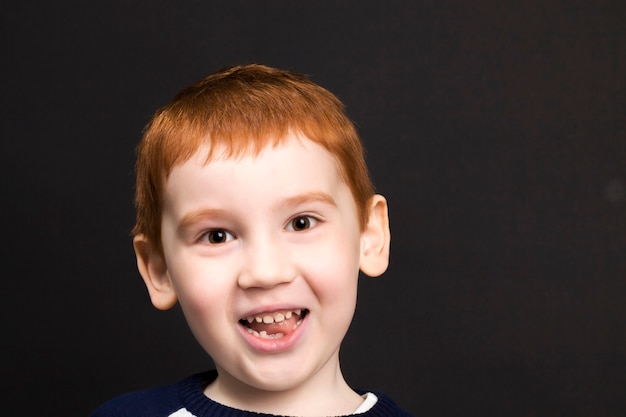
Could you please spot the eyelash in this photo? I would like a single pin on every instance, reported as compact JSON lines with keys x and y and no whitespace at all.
{"x":310,"y":222}
{"x":224,"y":235}
{"x":206,"y":236}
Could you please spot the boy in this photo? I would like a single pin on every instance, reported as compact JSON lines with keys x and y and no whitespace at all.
{"x":255,"y":212}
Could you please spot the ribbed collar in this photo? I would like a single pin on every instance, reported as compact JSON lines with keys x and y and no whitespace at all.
{"x":192,"y":396}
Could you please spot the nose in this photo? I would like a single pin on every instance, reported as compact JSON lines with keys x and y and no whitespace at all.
{"x":266,"y":265}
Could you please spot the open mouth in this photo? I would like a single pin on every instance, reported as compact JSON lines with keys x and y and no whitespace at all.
{"x":274,"y":325}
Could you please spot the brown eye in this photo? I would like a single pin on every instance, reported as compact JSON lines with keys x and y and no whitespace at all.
{"x":301,"y":223}
{"x":218,"y":236}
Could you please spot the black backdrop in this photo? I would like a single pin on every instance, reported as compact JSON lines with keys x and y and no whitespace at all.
{"x":497,"y":131}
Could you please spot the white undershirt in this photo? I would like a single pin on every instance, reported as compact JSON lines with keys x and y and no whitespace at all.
{"x":368,"y":402}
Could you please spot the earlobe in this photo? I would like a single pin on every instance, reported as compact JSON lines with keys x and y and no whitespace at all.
{"x":376,"y":238}
{"x":153,"y":270}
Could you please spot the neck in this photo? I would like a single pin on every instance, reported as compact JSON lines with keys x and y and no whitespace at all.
{"x":325,"y":393}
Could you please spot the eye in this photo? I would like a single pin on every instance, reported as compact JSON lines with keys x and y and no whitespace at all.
{"x":300,"y":223}
{"x":217,"y":236}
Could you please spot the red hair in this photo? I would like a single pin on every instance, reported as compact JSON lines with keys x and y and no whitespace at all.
{"x":243,"y":109}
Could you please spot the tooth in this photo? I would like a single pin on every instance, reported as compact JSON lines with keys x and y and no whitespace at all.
{"x":298,"y":312}
{"x":279,"y":317}
{"x":263,"y":334}
{"x":250,"y":319}
{"x":258,"y":319}
{"x":268,"y":319}
{"x":288,"y":314}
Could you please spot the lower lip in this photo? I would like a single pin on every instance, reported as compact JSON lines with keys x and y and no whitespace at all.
{"x":279,"y":345}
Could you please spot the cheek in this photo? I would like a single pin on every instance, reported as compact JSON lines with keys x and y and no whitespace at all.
{"x":335,"y":285}
{"x":203,"y":304}
{"x":201,"y":289}
{"x":333,"y":270}
{"x":198,"y":304}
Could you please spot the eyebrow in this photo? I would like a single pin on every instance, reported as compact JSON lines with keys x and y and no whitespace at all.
{"x":195,"y":216}
{"x":305,"y":198}
{"x":311,"y":197}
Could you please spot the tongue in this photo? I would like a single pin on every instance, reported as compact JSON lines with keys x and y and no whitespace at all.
{"x":285,"y":327}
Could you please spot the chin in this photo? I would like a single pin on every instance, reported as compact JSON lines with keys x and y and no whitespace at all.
{"x":276,"y":381}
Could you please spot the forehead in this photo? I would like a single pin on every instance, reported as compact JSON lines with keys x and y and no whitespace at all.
{"x":261,"y":151}
{"x":290,"y":165}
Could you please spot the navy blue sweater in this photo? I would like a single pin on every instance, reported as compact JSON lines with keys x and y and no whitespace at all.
{"x":186,"y":399}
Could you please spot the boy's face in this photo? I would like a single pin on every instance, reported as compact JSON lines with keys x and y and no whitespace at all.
{"x":263,"y":254}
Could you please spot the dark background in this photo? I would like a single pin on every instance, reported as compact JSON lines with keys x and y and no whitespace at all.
{"x":496,"y":129}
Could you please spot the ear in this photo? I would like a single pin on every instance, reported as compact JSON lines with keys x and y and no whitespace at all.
{"x":153,"y":270}
{"x":376,"y":238}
